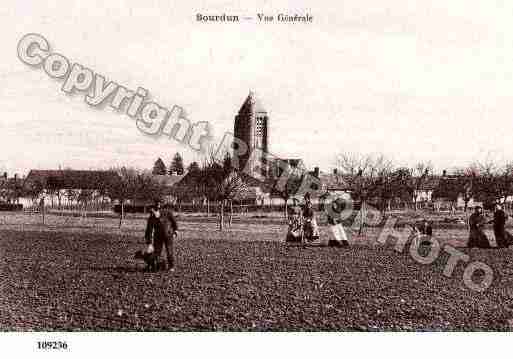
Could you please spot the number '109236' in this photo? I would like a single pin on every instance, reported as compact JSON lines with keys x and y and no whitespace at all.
{"x":52,"y":345}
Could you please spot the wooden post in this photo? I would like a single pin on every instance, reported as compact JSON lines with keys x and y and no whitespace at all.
{"x":362,"y":218}
{"x":42,"y":204}
{"x":231,"y":212}
{"x":122,"y":213}
{"x":221,"y":216}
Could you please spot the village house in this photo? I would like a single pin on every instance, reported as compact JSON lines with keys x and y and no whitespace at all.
{"x":66,"y":187}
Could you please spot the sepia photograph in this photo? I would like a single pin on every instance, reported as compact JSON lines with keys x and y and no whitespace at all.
{"x":339,"y":171}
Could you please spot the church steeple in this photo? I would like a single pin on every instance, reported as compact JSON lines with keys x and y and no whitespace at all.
{"x":252,"y":104}
{"x":252,"y":126}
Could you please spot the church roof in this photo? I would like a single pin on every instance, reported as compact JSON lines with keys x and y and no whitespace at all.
{"x":252,"y":104}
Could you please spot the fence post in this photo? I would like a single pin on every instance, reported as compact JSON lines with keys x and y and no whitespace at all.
{"x":42,"y":204}
{"x":231,"y":212}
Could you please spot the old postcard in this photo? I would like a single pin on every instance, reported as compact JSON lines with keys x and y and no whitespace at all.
{"x":217,"y":166}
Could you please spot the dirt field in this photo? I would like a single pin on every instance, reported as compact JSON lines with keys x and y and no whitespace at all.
{"x":79,"y":274}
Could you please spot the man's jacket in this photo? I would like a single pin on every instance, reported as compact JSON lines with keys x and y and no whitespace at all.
{"x":162,"y":228}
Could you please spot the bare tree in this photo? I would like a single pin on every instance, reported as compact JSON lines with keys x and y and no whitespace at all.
{"x":419,"y":176}
{"x":491,"y":182}
{"x":122,"y":187}
{"x":220,"y":182}
{"x":85,"y":196}
{"x":485,"y":181}
{"x":290,"y":186}
{"x":394,"y":184}
{"x":147,"y":187}
{"x":34,"y":190}
{"x":365,"y":175}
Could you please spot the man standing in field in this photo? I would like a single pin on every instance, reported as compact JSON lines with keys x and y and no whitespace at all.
{"x":161,"y":228}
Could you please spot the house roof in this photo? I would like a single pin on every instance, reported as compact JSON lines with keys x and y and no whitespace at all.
{"x":168,"y":180}
{"x":430,"y":184}
{"x":333,"y":182}
{"x":83,"y":179}
{"x":293,"y":162}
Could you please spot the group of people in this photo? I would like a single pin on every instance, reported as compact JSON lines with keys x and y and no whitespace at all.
{"x":303,"y":227}
{"x":423,"y":232}
{"x":162,"y":228}
{"x":477,"y":222}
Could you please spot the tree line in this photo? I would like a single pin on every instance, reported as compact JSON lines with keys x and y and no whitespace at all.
{"x":371,"y":179}
{"x":374,"y":178}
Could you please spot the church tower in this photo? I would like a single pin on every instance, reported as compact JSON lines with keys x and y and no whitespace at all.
{"x":252,"y":127}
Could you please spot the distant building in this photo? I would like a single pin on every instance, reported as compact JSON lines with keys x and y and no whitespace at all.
{"x":169,"y":182}
{"x":67,"y":184}
{"x":276,"y":167}
{"x":69,"y":179}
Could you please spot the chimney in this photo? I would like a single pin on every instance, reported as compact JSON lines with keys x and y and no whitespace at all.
{"x":444,"y":173}
{"x":334,"y":171}
{"x":316,"y":172}
{"x":5,"y":175}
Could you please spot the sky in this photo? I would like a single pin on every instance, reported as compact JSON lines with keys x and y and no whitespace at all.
{"x":414,"y":80}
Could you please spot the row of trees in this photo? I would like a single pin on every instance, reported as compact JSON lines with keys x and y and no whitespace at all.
{"x":485,"y":182}
{"x":11,"y":189}
{"x":133,"y":185}
{"x":374,"y":178}
{"x":370,"y":178}
{"x":123,"y":185}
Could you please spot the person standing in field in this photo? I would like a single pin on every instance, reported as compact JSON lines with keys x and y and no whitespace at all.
{"x":502,"y":238}
{"x":336,"y":225}
{"x":295,"y":230}
{"x":426,"y":232}
{"x":477,"y":237}
{"x":161,"y":228}
{"x":310,"y":227}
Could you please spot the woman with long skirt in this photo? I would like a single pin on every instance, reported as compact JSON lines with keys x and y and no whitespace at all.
{"x":477,"y":237}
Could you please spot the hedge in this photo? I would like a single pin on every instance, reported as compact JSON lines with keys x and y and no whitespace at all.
{"x":11,"y":207}
{"x":128,"y":208}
